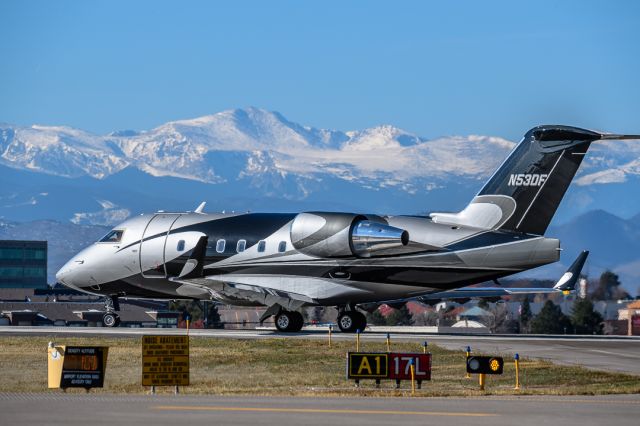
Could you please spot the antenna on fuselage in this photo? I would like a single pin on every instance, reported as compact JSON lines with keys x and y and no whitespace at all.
{"x":200,"y":208}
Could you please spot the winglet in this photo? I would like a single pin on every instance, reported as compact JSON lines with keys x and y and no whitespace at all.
{"x":200,"y":207}
{"x":568,"y":281}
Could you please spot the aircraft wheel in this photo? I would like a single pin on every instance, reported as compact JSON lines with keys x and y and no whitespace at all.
{"x":110,"y":320}
{"x":298,"y":321}
{"x":361,"y":320}
{"x":288,"y":321}
{"x":351,"y":321}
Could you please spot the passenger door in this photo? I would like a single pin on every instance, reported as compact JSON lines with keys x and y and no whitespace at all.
{"x":154,"y":238}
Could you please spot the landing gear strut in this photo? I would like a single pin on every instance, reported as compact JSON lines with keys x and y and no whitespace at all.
{"x":110,"y":317}
{"x":289,"y":321}
{"x":351,"y":321}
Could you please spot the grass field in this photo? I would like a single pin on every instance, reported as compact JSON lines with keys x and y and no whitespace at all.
{"x":297,"y":367}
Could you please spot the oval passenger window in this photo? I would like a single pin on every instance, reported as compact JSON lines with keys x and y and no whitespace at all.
{"x":220,"y":246}
{"x":181,"y":245}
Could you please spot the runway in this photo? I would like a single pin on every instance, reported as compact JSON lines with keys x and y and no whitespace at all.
{"x":56,"y":408}
{"x":610,"y":353}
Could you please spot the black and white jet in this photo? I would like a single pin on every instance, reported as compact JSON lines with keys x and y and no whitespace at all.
{"x":348,"y":260}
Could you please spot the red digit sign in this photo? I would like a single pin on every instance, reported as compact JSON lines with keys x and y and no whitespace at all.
{"x":399,"y":366}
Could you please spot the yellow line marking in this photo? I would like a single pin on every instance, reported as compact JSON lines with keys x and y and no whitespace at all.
{"x":532,"y":398}
{"x":317,"y":410}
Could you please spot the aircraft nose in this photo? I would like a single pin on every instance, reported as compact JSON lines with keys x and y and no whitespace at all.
{"x":67,"y":273}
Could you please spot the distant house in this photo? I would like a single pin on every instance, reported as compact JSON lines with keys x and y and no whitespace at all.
{"x":475,"y":314}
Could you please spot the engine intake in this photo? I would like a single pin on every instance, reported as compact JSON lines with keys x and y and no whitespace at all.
{"x":369,"y":237}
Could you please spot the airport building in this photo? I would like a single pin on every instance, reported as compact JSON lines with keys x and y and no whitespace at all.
{"x":23,"y":264}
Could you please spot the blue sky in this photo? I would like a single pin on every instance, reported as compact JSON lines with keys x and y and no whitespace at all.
{"x":433,"y":68}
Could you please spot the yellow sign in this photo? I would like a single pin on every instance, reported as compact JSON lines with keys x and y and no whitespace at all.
{"x":165,"y":360}
{"x":370,"y":365}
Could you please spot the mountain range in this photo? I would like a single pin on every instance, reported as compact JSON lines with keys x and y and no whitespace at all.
{"x":257,"y":160}
{"x":252,"y":159}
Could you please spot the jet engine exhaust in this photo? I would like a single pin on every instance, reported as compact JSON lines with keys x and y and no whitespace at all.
{"x":369,"y":237}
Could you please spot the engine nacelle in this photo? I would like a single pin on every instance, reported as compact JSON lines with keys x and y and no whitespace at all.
{"x":344,"y":234}
{"x":369,"y":238}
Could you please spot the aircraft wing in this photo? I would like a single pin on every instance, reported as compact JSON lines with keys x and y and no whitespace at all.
{"x":242,"y":293}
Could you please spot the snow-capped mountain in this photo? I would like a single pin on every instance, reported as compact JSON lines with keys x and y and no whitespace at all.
{"x":255,"y":159}
{"x":191,"y":149}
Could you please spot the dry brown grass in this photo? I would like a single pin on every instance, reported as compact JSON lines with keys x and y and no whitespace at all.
{"x":297,"y":367}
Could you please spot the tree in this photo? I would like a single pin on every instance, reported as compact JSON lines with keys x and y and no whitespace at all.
{"x":500,"y":321}
{"x":400,"y":316}
{"x":550,"y":320}
{"x":584,"y":319}
{"x":315,"y":314}
{"x":483,"y":304}
{"x":376,"y":318}
{"x":608,"y":288}
{"x":427,"y":318}
{"x":525,"y":314}
{"x":190,"y":306}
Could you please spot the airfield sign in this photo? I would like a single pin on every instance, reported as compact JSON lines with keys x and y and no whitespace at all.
{"x":76,"y":366}
{"x":165,"y":360}
{"x":388,"y":366}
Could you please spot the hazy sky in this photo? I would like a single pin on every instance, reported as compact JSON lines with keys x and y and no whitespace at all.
{"x":433,"y":68}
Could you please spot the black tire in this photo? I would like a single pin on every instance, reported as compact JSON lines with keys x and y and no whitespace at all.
{"x":110,"y":320}
{"x":288,"y":322}
{"x":351,"y":321}
{"x":361,"y":321}
{"x":298,"y":321}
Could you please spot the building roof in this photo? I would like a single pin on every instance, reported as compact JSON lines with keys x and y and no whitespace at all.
{"x":476,"y":312}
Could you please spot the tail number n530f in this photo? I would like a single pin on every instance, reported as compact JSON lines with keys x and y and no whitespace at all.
{"x":522,"y":179}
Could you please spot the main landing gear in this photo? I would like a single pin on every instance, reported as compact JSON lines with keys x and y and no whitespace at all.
{"x":289,"y":321}
{"x":110,"y":317}
{"x":351,"y":321}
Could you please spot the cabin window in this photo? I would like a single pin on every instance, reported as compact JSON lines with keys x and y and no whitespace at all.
{"x":220,"y":246}
{"x":113,"y":237}
{"x":282,"y":247}
{"x":181,"y":245}
{"x":242,"y":244}
{"x":262,"y":245}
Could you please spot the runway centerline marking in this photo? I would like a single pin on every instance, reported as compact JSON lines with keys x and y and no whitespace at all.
{"x":316,"y":410}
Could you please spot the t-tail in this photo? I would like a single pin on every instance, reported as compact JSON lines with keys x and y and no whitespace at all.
{"x":526,"y":190}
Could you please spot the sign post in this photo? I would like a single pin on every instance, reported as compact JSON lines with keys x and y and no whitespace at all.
{"x":165,"y":361}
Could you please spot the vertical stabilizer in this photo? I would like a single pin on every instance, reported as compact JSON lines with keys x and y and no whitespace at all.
{"x":526,"y":190}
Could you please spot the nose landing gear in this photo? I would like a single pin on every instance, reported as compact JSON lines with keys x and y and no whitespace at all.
{"x":110,"y":317}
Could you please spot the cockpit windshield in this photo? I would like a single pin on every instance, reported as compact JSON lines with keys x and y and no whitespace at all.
{"x":113,"y":236}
